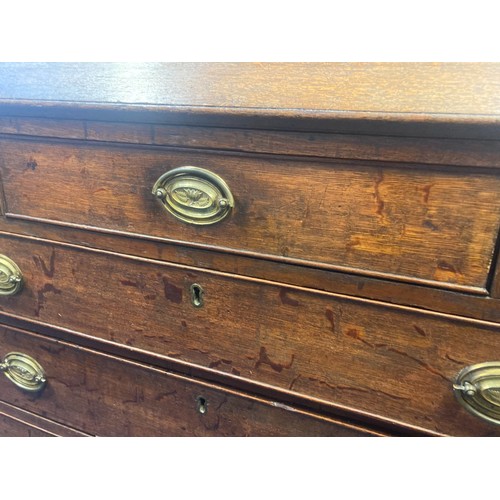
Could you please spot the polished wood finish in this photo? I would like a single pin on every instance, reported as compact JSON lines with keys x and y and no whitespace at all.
{"x":356,"y":87}
{"x":366,"y":355}
{"x":356,"y":276}
{"x":382,"y":98}
{"x":12,"y":427}
{"x":428,"y":151}
{"x":112,"y":397}
{"x":15,"y":422}
{"x":447,"y":301}
{"x":435,"y":227}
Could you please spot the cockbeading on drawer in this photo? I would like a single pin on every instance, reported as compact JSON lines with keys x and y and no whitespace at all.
{"x":431,"y":226}
{"x":395,"y":362}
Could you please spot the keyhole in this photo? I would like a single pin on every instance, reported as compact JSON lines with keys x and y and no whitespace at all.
{"x":196,"y":295}
{"x":201,"y":404}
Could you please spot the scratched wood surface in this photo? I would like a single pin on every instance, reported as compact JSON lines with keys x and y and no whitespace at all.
{"x":106,"y":396}
{"x":385,"y":140}
{"x":11,"y":427}
{"x":384,"y":98}
{"x":423,"y":88}
{"x":394,"y":362}
{"x":16,"y":422}
{"x":414,"y":295}
{"x":426,"y":151}
{"x":437,"y":227}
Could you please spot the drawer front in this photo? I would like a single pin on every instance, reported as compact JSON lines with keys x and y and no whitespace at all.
{"x":420,"y":224}
{"x":15,"y":422}
{"x":13,"y":427}
{"x":107,"y":396}
{"x":390,"y":361}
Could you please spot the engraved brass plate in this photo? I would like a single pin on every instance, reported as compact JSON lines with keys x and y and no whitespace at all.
{"x":24,"y":371}
{"x":477,"y":389}
{"x":194,"y":195}
{"x":11,"y":278}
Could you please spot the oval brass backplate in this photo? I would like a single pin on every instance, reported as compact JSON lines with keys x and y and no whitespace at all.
{"x":194,"y":195}
{"x":24,"y":371}
{"x":477,"y":389}
{"x":11,"y":278}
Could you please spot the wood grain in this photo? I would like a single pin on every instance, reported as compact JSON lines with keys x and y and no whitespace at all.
{"x":412,"y":150}
{"x":12,"y":427}
{"x":365,"y":355}
{"x":107,"y":396}
{"x":446,"y":301}
{"x":439,"y":99}
{"x":422,"y":88}
{"x":16,"y":422}
{"x":354,"y":184}
{"x":434,"y":227}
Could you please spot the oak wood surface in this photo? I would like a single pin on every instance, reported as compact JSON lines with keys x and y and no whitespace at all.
{"x":277,"y":396}
{"x":437,"y":151}
{"x":436,"y":227}
{"x":410,"y":151}
{"x":440,"y":99}
{"x":16,"y":422}
{"x":12,"y":427}
{"x":422,"y":88}
{"x":106,"y":396}
{"x":366,"y":355}
{"x":417,"y":296}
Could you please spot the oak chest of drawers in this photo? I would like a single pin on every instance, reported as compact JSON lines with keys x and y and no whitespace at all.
{"x":238,"y":249}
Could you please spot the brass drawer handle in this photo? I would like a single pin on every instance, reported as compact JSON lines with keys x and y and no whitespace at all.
{"x":11,"y":278}
{"x":477,"y":389}
{"x":194,"y":195}
{"x":24,"y":371}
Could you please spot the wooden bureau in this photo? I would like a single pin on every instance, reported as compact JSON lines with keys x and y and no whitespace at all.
{"x":249,"y":249}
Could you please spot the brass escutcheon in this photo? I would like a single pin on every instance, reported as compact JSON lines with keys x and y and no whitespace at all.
{"x":201,"y":405}
{"x":24,"y":371}
{"x":477,"y":389}
{"x":194,"y":195}
{"x":196,"y":295}
{"x":11,"y":278}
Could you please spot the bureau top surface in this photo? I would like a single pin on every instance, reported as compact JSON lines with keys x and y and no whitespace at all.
{"x":461,"y":99}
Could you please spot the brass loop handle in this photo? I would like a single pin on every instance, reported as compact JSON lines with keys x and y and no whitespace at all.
{"x":11,"y":277}
{"x":477,"y":389}
{"x":24,"y":371}
{"x":194,"y":195}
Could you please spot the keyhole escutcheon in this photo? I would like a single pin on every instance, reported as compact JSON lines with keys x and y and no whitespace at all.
{"x":201,"y":405}
{"x":196,"y":295}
